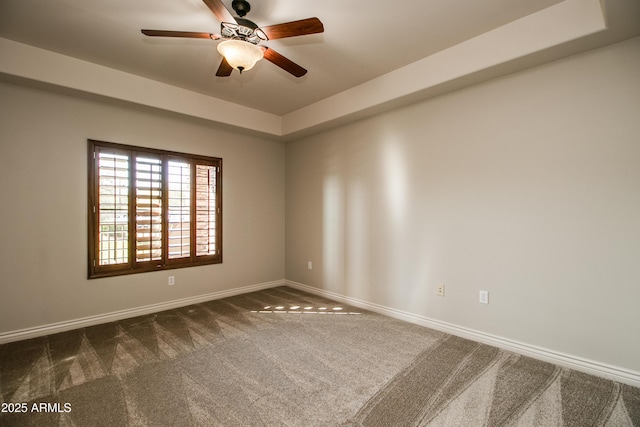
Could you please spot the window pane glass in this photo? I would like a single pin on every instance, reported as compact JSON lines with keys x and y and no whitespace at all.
{"x":179,"y":200}
{"x":113,"y":209}
{"x":148,"y":209}
{"x":205,"y":210}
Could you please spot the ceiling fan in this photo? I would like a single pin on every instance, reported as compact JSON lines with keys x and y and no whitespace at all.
{"x":241,"y":36}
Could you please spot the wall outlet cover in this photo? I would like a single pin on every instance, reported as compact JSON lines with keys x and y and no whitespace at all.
{"x":484,"y":297}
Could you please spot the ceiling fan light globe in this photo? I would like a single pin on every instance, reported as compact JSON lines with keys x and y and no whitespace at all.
{"x":239,"y":54}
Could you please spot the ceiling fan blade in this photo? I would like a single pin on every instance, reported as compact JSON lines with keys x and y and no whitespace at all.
{"x":219,"y":9}
{"x":188,"y":34}
{"x":224,"y":70}
{"x":284,"y":63}
{"x":293,"y":28}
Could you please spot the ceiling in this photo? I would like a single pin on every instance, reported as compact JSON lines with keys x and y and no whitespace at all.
{"x":364,"y":40}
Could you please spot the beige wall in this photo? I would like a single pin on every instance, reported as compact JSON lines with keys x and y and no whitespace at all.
{"x":43,"y":187}
{"x":527,"y":186}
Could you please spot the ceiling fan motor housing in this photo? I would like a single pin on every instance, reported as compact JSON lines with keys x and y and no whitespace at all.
{"x":244,"y":30}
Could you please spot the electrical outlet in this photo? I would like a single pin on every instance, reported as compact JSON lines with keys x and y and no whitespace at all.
{"x":440,"y":291}
{"x":172,"y":280}
{"x":309,"y":265}
{"x":484,"y":297}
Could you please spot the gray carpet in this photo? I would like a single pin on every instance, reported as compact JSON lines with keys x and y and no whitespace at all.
{"x":281,"y":357}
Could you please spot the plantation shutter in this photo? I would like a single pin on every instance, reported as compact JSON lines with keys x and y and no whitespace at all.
{"x":112,"y":207}
{"x":151,"y":209}
{"x":206,"y":209}
{"x":179,"y":206}
{"x":148,"y":203}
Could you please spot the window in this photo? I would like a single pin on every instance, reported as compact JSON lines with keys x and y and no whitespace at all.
{"x":151,"y":209}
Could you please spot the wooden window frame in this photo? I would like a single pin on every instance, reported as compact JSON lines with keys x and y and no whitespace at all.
{"x":164,"y":262}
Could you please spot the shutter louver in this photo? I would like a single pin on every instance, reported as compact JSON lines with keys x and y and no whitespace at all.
{"x":179,"y":205}
{"x":206,"y":177}
{"x":113,"y":208}
{"x":148,"y":209}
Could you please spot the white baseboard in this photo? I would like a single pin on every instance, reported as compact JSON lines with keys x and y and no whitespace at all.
{"x":621,"y":375}
{"x":53,"y":328}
